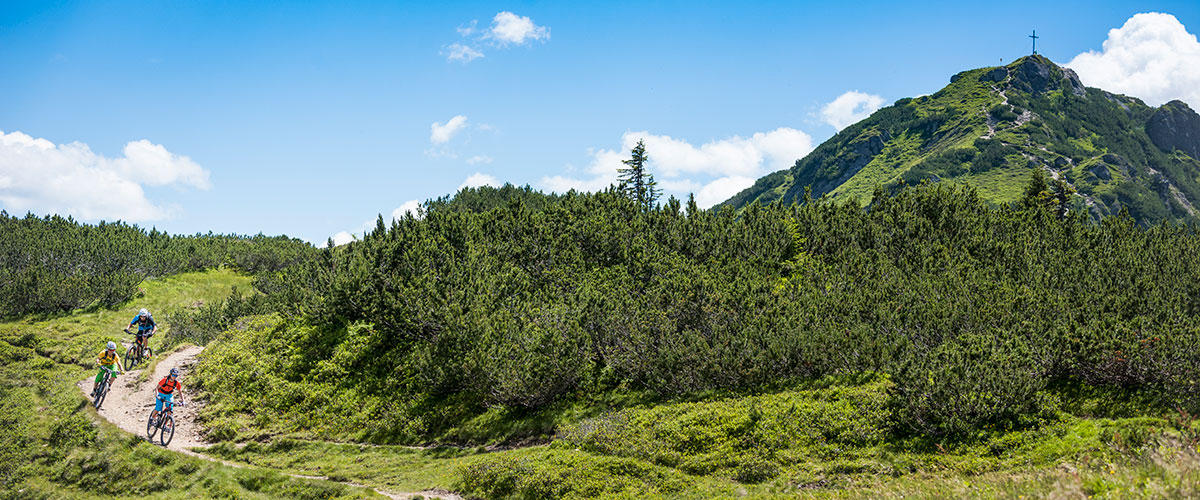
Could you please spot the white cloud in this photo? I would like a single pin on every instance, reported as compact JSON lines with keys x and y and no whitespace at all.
{"x":714,"y":171}
{"x":440,"y":133}
{"x":850,"y":108}
{"x":1152,"y":56}
{"x":464,"y":53}
{"x":480,"y":179}
{"x":153,"y":165}
{"x":69,"y":179}
{"x":408,"y":206}
{"x":722,"y":189}
{"x":469,"y":29}
{"x":477,"y":159}
{"x":342,"y":238}
{"x":508,"y":28}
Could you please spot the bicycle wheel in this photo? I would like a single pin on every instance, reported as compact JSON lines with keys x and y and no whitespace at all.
{"x":167,"y":430}
{"x":101,"y":392}
{"x":149,"y":353}
{"x":151,"y":429}
{"x":131,"y":357}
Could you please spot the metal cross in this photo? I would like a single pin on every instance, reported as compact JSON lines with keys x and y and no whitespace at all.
{"x":1034,"y":37}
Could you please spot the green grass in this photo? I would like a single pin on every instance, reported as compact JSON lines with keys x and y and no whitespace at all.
{"x":78,"y":337}
{"x":898,"y":155}
{"x":826,"y":438}
{"x":52,"y":443}
{"x":999,"y":185}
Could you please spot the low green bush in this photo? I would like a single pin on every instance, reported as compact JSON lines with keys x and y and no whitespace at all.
{"x":566,"y":474}
{"x":961,"y":385}
{"x":750,"y":439}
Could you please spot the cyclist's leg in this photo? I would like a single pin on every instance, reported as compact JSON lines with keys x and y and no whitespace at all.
{"x":158,"y":404}
{"x":99,"y":376}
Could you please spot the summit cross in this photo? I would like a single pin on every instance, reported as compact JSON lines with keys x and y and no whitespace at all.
{"x":1034,"y":37}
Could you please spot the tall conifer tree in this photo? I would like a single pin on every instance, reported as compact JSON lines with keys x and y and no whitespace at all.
{"x":636,"y":182}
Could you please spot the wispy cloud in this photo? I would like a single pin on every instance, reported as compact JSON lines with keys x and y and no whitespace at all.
{"x":507,"y":29}
{"x":459,"y":52}
{"x":440,"y":133}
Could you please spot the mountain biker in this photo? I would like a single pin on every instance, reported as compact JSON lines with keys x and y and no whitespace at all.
{"x":146,"y":327}
{"x":167,"y":388}
{"x":106,"y":360}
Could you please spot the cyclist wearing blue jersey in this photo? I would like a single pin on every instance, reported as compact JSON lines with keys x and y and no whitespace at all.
{"x":146,"y":327}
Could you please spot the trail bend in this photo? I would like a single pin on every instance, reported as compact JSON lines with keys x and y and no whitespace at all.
{"x":130,"y":402}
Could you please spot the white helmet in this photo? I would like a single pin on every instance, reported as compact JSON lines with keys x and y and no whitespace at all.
{"x":112,"y":346}
{"x":143,"y":312}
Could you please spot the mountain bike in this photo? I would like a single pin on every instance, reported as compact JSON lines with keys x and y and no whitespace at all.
{"x":102,"y":389}
{"x":134,"y":355}
{"x":164,"y":425}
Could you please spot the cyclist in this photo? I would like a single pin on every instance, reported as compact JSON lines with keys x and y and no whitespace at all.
{"x":146,"y":327}
{"x":167,"y":388}
{"x":107,"y":359}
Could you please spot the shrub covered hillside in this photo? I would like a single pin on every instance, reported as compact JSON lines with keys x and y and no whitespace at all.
{"x":53,"y":264}
{"x":991,"y":126}
{"x":54,"y":446}
{"x":971,"y":312}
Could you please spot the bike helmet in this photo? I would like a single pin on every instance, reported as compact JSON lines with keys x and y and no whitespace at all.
{"x":143,"y":313}
{"x":112,"y":346}
{"x":174,"y":372}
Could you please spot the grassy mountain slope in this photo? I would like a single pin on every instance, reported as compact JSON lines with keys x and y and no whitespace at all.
{"x":53,"y":445}
{"x":992,"y":126}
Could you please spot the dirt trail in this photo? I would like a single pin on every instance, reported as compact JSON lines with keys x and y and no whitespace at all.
{"x":129,"y":404}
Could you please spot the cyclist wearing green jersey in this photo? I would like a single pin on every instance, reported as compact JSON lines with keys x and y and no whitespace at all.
{"x":107,"y":360}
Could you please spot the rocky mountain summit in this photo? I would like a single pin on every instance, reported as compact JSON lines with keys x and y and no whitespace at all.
{"x":1174,"y":126}
{"x":992,"y":126}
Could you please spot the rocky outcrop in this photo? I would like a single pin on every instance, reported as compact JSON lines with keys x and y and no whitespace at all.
{"x":1036,"y":75}
{"x":1074,"y":85}
{"x":995,"y":75}
{"x":1174,"y":126}
{"x":1100,"y":170}
{"x":864,"y":150}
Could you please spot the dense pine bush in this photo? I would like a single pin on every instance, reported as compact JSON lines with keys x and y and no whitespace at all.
{"x":54,"y":264}
{"x":522,"y":301}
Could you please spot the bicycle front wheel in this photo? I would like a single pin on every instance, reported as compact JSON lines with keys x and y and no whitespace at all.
{"x":131,"y":358}
{"x":151,"y":429}
{"x":101,"y":392}
{"x":167,"y":430}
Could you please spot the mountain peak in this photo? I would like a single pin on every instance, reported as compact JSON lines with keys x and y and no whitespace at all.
{"x":1033,"y":74}
{"x":1175,"y":127}
{"x":1036,"y":74}
{"x":992,"y":127}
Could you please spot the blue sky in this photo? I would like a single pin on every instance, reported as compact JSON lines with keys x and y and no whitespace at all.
{"x":307,"y":118}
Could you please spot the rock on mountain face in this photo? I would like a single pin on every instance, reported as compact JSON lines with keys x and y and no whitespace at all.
{"x":992,"y":126}
{"x":1174,"y":126}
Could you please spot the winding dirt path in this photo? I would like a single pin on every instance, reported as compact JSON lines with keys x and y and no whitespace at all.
{"x":129,"y":404}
